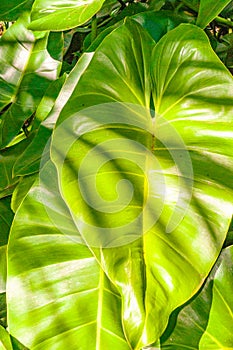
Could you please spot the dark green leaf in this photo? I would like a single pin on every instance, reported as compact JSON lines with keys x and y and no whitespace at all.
{"x":11,"y":10}
{"x":159,"y":23}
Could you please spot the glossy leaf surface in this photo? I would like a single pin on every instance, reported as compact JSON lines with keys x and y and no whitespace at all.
{"x":116,"y":70}
{"x":192,"y":96}
{"x":25,"y":73}
{"x":208,"y":10}
{"x":54,"y":282}
{"x":208,"y":318}
{"x":57,"y":15}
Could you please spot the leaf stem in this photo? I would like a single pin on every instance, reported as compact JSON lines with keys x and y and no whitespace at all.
{"x":225,"y":21}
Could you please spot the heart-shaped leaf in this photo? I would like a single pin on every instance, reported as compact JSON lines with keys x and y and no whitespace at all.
{"x":57,"y":15}
{"x":179,"y":163}
{"x":54,"y":282}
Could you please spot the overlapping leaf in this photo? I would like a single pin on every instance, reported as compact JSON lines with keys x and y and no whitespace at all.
{"x":159,"y":23}
{"x":208,"y":318}
{"x":8,"y":158}
{"x":26,"y":71}
{"x":57,"y":15}
{"x":208,"y":10}
{"x":192,"y":96}
{"x":5,"y":340}
{"x":49,"y":109}
{"x":54,"y":282}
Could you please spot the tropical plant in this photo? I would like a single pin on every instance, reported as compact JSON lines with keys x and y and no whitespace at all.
{"x":116,"y":175}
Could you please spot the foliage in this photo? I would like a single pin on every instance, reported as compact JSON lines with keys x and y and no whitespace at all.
{"x":116,"y":174}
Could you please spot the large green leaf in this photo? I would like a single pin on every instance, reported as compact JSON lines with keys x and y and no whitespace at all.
{"x":11,"y":10}
{"x":57,"y":15}
{"x":208,"y":318}
{"x":26,"y":71}
{"x":209,"y":9}
{"x":58,"y":296}
{"x":179,"y":163}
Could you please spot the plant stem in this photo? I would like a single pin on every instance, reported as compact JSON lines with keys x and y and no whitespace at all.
{"x":225,"y":21}
{"x":93,"y":28}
